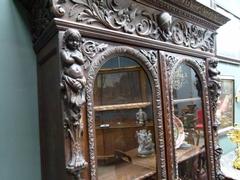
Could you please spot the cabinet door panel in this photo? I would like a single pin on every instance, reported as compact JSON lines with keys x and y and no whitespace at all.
{"x":188,"y":123}
{"x":124,"y":121}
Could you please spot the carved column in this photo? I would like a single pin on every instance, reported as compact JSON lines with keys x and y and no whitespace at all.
{"x":214,"y":88}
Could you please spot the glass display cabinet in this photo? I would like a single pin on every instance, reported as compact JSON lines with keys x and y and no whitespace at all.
{"x":127,"y":89}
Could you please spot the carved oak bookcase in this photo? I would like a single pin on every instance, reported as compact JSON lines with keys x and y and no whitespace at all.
{"x":128,"y":89}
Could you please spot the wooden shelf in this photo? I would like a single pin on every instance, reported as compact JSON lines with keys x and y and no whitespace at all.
{"x":124,"y":125}
{"x":186,"y":100}
{"x":122,"y":106}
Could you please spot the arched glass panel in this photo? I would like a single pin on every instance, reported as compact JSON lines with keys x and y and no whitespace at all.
{"x":124,"y":121}
{"x":188,"y":123}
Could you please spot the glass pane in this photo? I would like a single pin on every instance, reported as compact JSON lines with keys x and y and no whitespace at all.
{"x":124,"y":121}
{"x":226,"y":104}
{"x":188,"y":124}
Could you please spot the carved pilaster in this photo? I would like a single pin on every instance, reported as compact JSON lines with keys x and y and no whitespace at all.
{"x":214,"y":88}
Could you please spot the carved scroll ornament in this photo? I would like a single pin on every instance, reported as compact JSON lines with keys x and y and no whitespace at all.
{"x":75,"y":61}
{"x":129,"y":17}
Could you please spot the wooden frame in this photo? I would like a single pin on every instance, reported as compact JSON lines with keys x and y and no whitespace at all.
{"x":171,"y":62}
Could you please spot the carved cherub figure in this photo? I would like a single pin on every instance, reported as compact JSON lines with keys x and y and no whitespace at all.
{"x":74,"y":82}
{"x":73,"y":61}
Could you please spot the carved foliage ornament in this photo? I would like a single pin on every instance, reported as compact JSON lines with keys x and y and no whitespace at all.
{"x":127,"y":16}
{"x":76,"y":58}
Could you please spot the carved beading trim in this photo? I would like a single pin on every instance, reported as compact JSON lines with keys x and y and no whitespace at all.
{"x":168,"y":106}
{"x":142,"y":58}
{"x":198,"y":65}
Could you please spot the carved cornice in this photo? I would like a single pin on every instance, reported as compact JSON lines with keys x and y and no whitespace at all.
{"x":201,"y":10}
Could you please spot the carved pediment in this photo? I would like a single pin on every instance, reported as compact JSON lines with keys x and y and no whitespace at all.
{"x":138,"y":18}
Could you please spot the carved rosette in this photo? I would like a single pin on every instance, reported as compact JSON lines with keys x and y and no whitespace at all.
{"x":214,"y":88}
{"x":75,"y":58}
{"x":149,"y":60}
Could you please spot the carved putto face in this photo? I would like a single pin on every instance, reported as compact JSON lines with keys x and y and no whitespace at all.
{"x":72,"y":39}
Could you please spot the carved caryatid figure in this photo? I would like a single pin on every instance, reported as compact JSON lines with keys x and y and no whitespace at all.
{"x":73,"y":81}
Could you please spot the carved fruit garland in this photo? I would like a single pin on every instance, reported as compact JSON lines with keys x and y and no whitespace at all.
{"x":76,"y":59}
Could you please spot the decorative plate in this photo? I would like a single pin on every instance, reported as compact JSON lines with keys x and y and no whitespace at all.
{"x":179,"y":134}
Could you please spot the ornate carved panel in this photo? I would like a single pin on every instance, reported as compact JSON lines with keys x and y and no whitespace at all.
{"x":133,"y":18}
{"x":148,"y":59}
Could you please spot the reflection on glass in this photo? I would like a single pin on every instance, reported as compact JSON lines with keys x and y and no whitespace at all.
{"x":188,"y":125}
{"x":124,"y":121}
{"x":226,"y":104}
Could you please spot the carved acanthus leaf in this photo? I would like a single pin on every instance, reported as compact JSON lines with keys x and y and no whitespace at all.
{"x":170,"y":62}
{"x":192,"y":36}
{"x":152,"y":57}
{"x":90,"y":49}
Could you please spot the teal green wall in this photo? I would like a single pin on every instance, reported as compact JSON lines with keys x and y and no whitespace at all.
{"x":230,"y":70}
{"x":19,"y":132}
